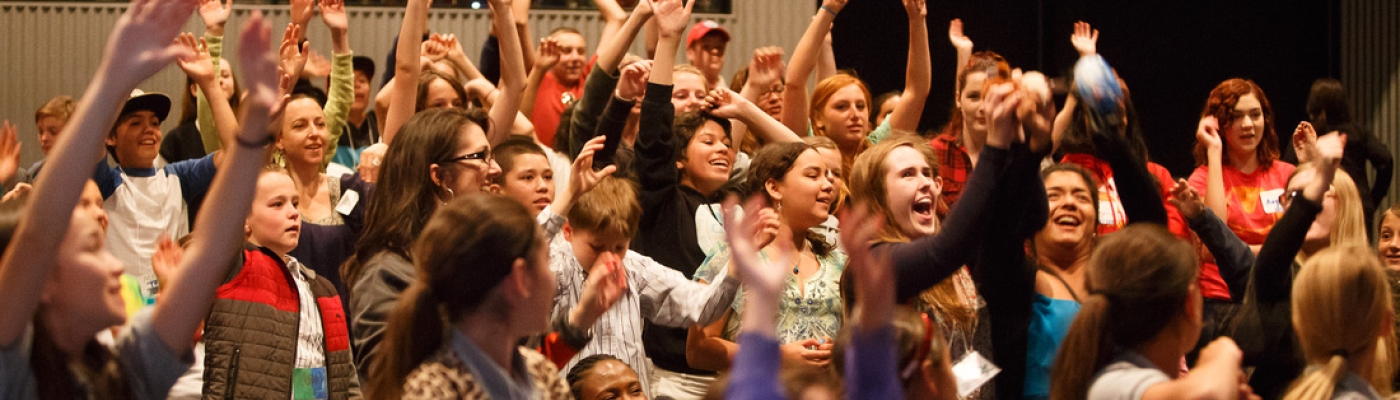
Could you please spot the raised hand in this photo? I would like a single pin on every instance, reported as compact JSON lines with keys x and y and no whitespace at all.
{"x":302,"y":11}
{"x":768,"y":225}
{"x":215,"y":15}
{"x":1305,"y":142}
{"x":605,"y":285}
{"x":19,"y":190}
{"x":672,"y":16}
{"x":1037,"y":111}
{"x":454,"y":47}
{"x":166,"y":259}
{"x":547,"y":55}
{"x":196,"y":63}
{"x":9,"y":150}
{"x":915,"y":8}
{"x":260,"y":75}
{"x":766,"y":67}
{"x":316,"y":65}
{"x":760,"y":278}
{"x":584,"y":177}
{"x":956,"y":36}
{"x":1187,"y":200}
{"x":1329,"y":149}
{"x":633,"y":82}
{"x":1000,"y":104}
{"x":724,"y":103}
{"x":292,"y":58}
{"x":434,"y":49}
{"x":1085,"y":39}
{"x":142,"y":42}
{"x":1208,"y":132}
{"x":333,"y":14}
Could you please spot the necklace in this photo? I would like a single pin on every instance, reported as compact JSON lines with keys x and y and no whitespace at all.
{"x":797,"y":264}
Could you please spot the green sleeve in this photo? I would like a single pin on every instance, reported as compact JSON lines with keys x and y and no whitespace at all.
{"x":208,"y":133}
{"x":338,"y":101}
{"x":880,"y":133}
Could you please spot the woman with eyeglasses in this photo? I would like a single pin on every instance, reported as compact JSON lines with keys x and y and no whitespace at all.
{"x":1323,"y":210}
{"x":433,"y":157}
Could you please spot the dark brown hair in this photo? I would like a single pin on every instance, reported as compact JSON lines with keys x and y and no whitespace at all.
{"x":506,"y":152}
{"x":1138,"y":279}
{"x":772,"y":162}
{"x":427,"y":78}
{"x":466,"y":250}
{"x":393,"y":221}
{"x":1221,"y":104}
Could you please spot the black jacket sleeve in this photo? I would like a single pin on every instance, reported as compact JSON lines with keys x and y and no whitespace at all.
{"x":1384,"y":163}
{"x":1141,"y":196}
{"x":613,"y":121}
{"x":1273,"y":270}
{"x":928,"y":260}
{"x":597,"y":89}
{"x":1232,"y":255}
{"x":656,"y":152}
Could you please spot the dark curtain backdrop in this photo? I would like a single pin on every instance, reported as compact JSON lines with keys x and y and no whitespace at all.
{"x":1170,"y":53}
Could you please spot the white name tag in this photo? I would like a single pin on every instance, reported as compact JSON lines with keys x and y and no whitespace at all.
{"x":1270,"y":200}
{"x":347,"y":202}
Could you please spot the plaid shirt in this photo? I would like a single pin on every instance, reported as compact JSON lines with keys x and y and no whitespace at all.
{"x":954,"y":166}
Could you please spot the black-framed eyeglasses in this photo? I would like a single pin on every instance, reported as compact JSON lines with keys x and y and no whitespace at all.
{"x":484,"y":156}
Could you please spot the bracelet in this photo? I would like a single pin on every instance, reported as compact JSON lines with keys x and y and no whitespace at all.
{"x":253,"y":144}
{"x":824,"y":7}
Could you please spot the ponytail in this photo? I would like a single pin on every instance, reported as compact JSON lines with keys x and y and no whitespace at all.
{"x":1318,"y":384}
{"x":415,"y":331}
{"x":1139,"y":280}
{"x":1082,"y":352}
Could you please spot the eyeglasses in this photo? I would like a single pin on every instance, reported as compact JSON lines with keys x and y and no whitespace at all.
{"x":484,"y":156}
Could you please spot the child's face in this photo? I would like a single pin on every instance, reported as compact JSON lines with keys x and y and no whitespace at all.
{"x":274,"y":222}
{"x":530,"y":181}
{"x":1389,"y":246}
{"x":589,"y":245}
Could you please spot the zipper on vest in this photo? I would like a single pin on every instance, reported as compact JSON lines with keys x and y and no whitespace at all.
{"x":232,"y":374}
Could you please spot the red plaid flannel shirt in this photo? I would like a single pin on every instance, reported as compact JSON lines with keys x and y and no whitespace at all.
{"x":954,"y":166}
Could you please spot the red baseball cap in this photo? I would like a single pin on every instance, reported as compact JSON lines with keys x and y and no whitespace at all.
{"x":703,"y":28}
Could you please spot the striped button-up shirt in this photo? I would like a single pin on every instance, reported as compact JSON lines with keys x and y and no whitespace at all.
{"x":654,"y":292}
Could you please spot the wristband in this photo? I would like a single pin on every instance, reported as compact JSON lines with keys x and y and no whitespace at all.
{"x":824,"y":7}
{"x":253,"y":144}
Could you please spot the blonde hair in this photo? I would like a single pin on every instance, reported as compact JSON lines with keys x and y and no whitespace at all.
{"x":1340,"y":302}
{"x":60,"y":107}
{"x":1349,"y":226}
{"x":691,"y":69}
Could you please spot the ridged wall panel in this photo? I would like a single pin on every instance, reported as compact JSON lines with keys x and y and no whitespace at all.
{"x":1370,"y":70}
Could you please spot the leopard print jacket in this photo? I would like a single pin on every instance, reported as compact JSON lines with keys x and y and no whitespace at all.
{"x":443,"y":376}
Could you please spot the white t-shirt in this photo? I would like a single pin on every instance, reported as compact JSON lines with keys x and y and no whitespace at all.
{"x":1126,"y":378}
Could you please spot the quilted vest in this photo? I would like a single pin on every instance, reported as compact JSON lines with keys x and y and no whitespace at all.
{"x":250,"y":335}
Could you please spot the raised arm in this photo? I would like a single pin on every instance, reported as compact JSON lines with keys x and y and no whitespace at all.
{"x":546,"y":57}
{"x":139,"y":46}
{"x":1273,"y":274}
{"x":405,"y":85}
{"x":826,"y":61}
{"x":200,"y":68}
{"x":218,"y":229}
{"x":655,"y":166}
{"x":871,"y":358}
{"x":926,"y":261}
{"x":961,"y":43}
{"x":215,"y":15}
{"x":301,"y":13}
{"x":727,"y":104}
{"x":613,"y":121}
{"x":1208,"y":132}
{"x":614,"y":17}
{"x":765,"y":70}
{"x":804,"y":59}
{"x":603,"y":79}
{"x":918,"y":73}
{"x":512,"y":86}
{"x":1232,"y":255}
{"x":342,"y":83}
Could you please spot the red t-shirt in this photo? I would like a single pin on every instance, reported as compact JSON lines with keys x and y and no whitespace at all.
{"x":1112,"y":217}
{"x":550,"y":103}
{"x":1253,"y":201}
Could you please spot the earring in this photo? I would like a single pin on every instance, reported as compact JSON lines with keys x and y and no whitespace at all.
{"x":778,"y":206}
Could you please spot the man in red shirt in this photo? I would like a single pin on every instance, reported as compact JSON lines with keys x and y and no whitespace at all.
{"x":562,"y":84}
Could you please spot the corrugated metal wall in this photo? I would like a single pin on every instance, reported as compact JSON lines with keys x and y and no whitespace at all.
{"x":53,"y":48}
{"x":1370,"y":50}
